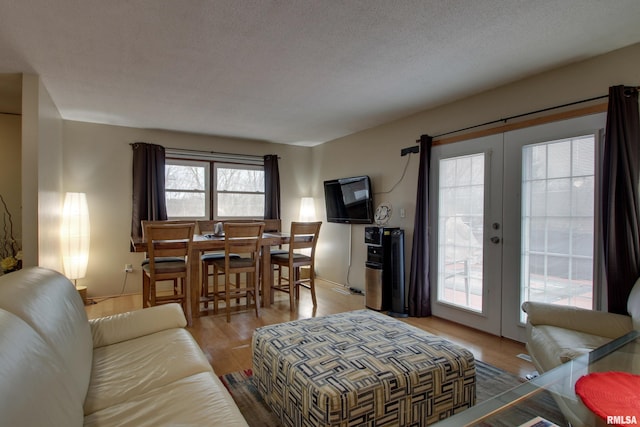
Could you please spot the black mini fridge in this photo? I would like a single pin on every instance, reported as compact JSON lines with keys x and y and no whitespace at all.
{"x":384,"y":270}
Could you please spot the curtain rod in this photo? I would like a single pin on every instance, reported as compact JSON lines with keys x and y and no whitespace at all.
{"x":184,"y":150}
{"x":517,"y":116}
{"x":213,"y":153}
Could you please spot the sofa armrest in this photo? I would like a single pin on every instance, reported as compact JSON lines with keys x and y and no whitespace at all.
{"x":133,"y":324}
{"x":600,"y":323}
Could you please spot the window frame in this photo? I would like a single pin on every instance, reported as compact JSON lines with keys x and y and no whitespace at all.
{"x":215,"y":192}
{"x":207,"y":186}
{"x":211,"y":192}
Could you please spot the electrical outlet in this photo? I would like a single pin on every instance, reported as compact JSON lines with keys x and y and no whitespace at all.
{"x":128,"y":268}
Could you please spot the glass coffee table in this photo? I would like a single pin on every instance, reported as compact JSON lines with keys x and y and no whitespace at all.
{"x":551,"y":395}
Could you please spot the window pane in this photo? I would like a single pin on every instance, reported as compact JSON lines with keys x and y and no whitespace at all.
{"x":181,"y":177}
{"x":584,"y":156}
{"x":558,"y":195}
{"x":240,"y":205}
{"x":237,"y":179}
{"x":460,"y":231}
{"x":582,"y":200}
{"x":537,"y":167}
{"x":559,"y":161}
{"x":557,"y":218}
{"x":180,"y":204}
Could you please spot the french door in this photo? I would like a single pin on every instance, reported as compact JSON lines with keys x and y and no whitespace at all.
{"x":513,"y":220}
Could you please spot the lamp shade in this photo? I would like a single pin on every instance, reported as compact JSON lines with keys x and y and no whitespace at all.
{"x":307,"y":209}
{"x":75,"y":233}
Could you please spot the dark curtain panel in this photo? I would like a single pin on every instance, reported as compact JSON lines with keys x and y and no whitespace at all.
{"x":419,"y":288}
{"x":271,"y":187}
{"x":620,"y":217}
{"x":149,"y":201}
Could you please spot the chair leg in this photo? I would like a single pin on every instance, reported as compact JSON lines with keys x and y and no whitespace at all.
{"x":312,"y":285}
{"x":216,"y":285}
{"x":292,"y":287}
{"x":184,"y":295}
{"x":145,"y":290}
{"x":204,"y":292}
{"x":152,"y":293}
{"x":227,"y":297}
{"x":249,"y":279}
{"x":256,"y":293}
{"x":271,"y":272}
{"x":238,"y":286}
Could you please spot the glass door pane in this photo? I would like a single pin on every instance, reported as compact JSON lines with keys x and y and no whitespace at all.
{"x":460,"y":231}
{"x":549,"y":223}
{"x":466,"y":233}
{"x":557,"y":222}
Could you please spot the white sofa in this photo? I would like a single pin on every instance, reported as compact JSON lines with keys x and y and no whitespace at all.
{"x":140,"y":368}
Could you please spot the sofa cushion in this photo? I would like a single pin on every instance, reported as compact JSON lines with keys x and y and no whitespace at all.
{"x":197,"y":400}
{"x":554,"y":345}
{"x":133,"y":324}
{"x":35,"y":387}
{"x":127,"y":369}
{"x":49,"y":303}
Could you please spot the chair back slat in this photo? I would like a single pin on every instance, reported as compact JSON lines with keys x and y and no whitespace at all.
{"x":145,"y":222}
{"x":168,"y":239}
{"x":243,"y":238}
{"x":271,"y":225}
{"x":304,"y":235}
{"x":207,"y":226}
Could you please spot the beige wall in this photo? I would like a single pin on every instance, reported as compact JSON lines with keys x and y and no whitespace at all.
{"x":98,"y":161}
{"x":376,"y":151}
{"x":50,"y":194}
{"x":41,"y":175}
{"x":31,"y":166}
{"x":10,"y":173}
{"x":30,"y":158}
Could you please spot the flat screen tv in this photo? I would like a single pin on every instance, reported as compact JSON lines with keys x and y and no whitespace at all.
{"x":349,"y":200}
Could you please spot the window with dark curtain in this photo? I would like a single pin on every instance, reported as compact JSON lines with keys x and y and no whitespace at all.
{"x":620,"y":218}
{"x":148,"y":186}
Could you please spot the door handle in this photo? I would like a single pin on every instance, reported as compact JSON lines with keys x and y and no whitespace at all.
{"x":495,"y":239}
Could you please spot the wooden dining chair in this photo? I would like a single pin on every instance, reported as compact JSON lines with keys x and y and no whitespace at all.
{"x":273,"y":226}
{"x":304,"y":235}
{"x":145,"y":284}
{"x":207,"y":259}
{"x":166,"y":240}
{"x":243,"y":240}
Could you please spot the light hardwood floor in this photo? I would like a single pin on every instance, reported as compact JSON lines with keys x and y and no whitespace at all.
{"x":228,"y":345}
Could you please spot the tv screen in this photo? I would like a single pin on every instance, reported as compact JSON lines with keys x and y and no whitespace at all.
{"x":349,"y":200}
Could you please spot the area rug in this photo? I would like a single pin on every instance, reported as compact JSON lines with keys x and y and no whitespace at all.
{"x":490,"y":381}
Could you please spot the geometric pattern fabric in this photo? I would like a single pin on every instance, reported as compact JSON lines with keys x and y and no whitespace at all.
{"x":360,"y":368}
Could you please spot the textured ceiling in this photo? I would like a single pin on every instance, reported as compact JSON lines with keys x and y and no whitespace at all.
{"x":292,"y":71}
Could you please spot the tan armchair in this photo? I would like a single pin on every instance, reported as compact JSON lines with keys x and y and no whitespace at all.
{"x":557,"y":334}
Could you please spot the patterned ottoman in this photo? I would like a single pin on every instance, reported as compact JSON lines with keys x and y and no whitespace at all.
{"x":360,"y":368}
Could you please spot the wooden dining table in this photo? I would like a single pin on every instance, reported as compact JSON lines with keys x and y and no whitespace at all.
{"x":208,"y":242}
